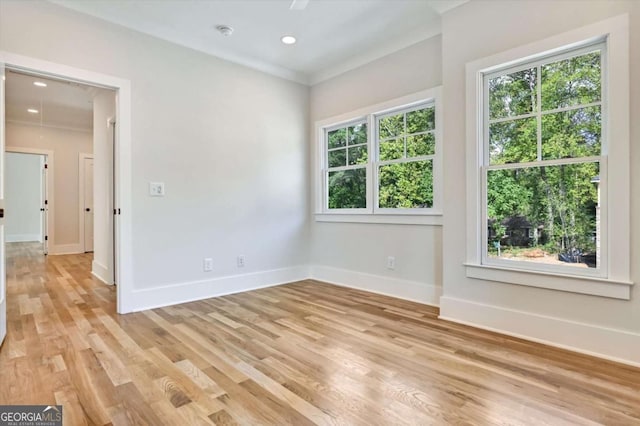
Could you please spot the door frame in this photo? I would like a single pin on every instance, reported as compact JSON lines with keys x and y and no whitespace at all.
{"x":49,"y":211}
{"x":114,"y":222}
{"x":123,"y":177}
{"x":81,"y":228}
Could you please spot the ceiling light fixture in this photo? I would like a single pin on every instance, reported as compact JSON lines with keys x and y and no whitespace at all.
{"x":32,"y":111}
{"x":39,"y":84}
{"x":288,"y":39}
{"x":225,"y":30}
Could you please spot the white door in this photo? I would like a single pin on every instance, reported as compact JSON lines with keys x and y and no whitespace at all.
{"x":88,"y":204}
{"x":44,"y":208}
{"x":3,"y":273}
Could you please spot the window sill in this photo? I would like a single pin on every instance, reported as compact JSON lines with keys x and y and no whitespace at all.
{"x":603,"y":287}
{"x":432,"y":219}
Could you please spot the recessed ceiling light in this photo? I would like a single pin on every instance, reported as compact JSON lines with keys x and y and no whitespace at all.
{"x":288,"y":39}
{"x":39,"y":84}
{"x":225,"y":30}
{"x":32,"y":111}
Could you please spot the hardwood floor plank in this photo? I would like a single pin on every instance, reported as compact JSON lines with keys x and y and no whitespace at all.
{"x":90,"y":384}
{"x":311,"y":412}
{"x":295,"y":354}
{"x":72,"y":411}
{"x":200,"y":379}
{"x":222,"y":418}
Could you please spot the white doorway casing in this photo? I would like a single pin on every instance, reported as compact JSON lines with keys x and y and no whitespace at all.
{"x":49,"y":193}
{"x":123,"y":244}
{"x":103,"y":265}
{"x":86,"y":213}
{"x":24,"y":197}
{"x":44,"y":203}
{"x":3,"y":272}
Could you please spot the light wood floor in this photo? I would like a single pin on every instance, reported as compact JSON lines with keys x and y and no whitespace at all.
{"x":303,"y":353}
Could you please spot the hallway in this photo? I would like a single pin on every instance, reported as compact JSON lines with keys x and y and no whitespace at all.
{"x":52,"y":302}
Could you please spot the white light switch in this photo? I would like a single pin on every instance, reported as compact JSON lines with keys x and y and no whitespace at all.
{"x":156,"y":189}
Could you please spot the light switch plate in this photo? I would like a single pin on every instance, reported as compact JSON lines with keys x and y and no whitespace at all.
{"x":156,"y":189}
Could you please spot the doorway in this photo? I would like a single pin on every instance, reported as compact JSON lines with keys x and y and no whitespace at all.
{"x":27,"y":196}
{"x":42,"y":111}
{"x":123,"y":244}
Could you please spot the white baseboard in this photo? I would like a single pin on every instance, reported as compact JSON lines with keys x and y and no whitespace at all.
{"x":157,"y":297}
{"x":427,"y":294}
{"x":608,"y":343}
{"x":65,"y":249}
{"x":23,"y":238}
{"x":101,"y":272}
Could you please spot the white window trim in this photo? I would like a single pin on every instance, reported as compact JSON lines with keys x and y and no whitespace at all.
{"x":373,"y":214}
{"x":614,"y":280}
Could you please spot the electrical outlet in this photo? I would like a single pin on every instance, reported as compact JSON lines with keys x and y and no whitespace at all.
{"x":241,"y":261}
{"x":391,"y":262}
{"x":207,"y":264}
{"x":156,"y":189}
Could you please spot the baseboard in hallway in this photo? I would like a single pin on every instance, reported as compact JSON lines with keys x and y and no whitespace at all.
{"x":23,"y":238}
{"x":65,"y":249}
{"x":101,"y":272}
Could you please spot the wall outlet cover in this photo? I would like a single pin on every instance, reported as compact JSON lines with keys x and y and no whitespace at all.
{"x":207,"y":264}
{"x":391,"y":262}
{"x":156,"y":189}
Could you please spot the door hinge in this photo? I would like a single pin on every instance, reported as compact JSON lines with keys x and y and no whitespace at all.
{"x":46,"y":202}
{"x":46,"y":238}
{"x":46,"y":166}
{"x":116,"y":211}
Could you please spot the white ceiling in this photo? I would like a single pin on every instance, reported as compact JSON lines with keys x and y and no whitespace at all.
{"x":60,"y":104}
{"x":333,"y":35}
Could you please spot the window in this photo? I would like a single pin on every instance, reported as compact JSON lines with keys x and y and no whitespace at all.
{"x":548,"y":163}
{"x":406,"y":148}
{"x":347,"y":158}
{"x":382,"y":161}
{"x":543,"y":150}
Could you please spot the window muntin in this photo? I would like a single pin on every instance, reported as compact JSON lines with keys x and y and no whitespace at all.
{"x":543,"y":151}
{"x":347,"y":159}
{"x":406,"y":148}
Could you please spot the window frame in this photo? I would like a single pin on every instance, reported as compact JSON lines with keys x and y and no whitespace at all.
{"x":613,"y":279}
{"x":538,"y":63}
{"x":372,"y":213}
